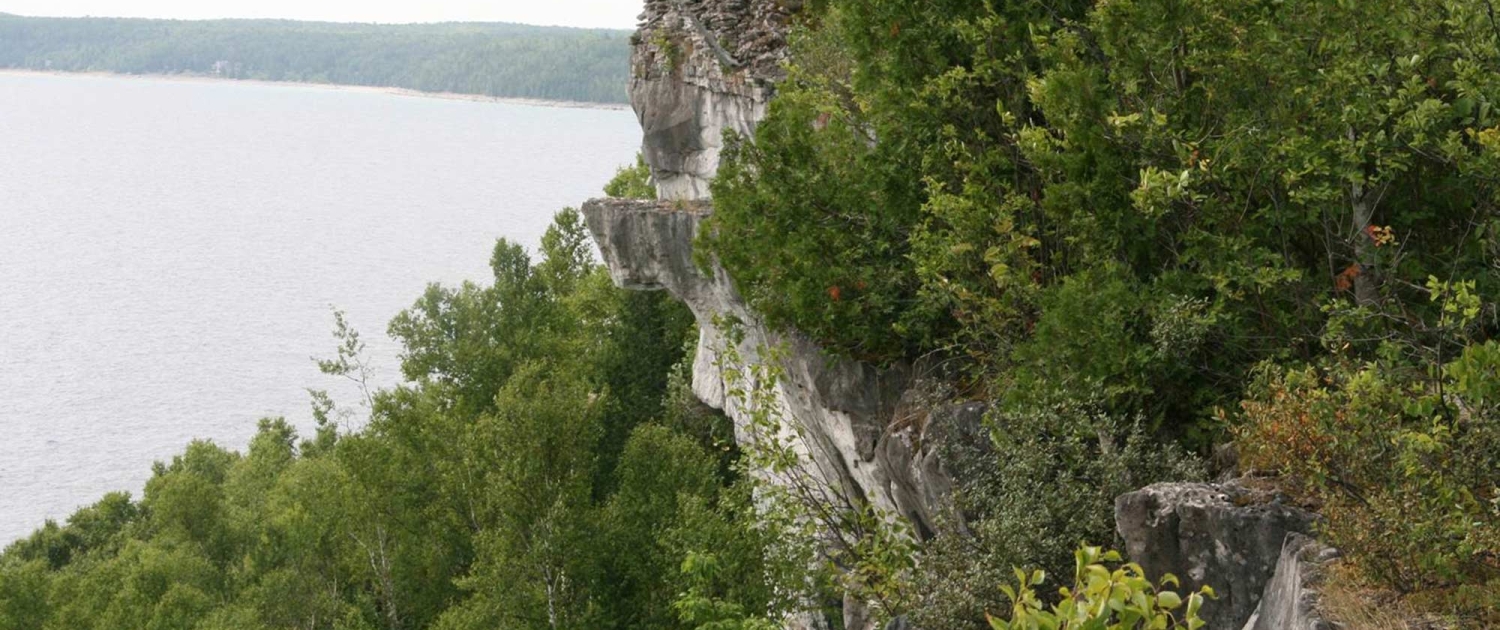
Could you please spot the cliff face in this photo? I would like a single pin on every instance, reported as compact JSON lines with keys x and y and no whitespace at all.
{"x":701,"y":67}
{"x":706,"y":66}
{"x":864,"y":433}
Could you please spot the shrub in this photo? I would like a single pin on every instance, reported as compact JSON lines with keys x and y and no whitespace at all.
{"x":1044,"y":483}
{"x":1406,"y":466}
{"x":1102,"y":599}
{"x":811,"y":226}
{"x":632,"y":182}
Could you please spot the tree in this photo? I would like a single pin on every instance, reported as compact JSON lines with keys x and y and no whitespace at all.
{"x":504,"y":60}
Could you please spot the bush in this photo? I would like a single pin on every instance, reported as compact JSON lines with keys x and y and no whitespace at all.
{"x":1405,"y":466}
{"x":632,"y":182}
{"x":811,"y":225}
{"x":932,"y":177}
{"x":1122,"y":599}
{"x":1044,"y":484}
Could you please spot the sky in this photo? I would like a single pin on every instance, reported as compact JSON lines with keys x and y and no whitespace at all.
{"x":585,"y":13}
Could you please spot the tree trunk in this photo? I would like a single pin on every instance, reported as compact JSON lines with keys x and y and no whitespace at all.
{"x":1366,"y":287}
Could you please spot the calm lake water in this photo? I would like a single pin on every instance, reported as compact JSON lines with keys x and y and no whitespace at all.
{"x":170,"y":250}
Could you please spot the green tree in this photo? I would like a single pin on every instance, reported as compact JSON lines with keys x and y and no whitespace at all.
{"x":658,"y":473}
{"x":632,"y":182}
{"x":527,"y":573}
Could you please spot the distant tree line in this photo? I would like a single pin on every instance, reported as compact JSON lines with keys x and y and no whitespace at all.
{"x":492,"y":59}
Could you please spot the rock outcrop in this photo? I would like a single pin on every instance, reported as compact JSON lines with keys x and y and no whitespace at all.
{"x":699,"y":68}
{"x":861,"y":431}
{"x":1291,"y":598}
{"x":704,"y":67}
{"x":1222,"y":535}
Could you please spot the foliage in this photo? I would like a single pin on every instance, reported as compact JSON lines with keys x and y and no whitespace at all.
{"x":700,"y":610}
{"x":664,"y":41}
{"x":1122,"y":599}
{"x":785,"y":202}
{"x":736,"y":572}
{"x":1043,"y":483}
{"x":531,"y":474}
{"x":960,"y":168}
{"x":504,"y":60}
{"x":855,"y":548}
{"x":1133,"y":208}
{"x":684,"y":413}
{"x":1403,"y":466}
{"x":632,"y":182}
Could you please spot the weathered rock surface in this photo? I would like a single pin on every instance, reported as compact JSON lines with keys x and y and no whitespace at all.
{"x":1291,"y":598}
{"x":699,"y":68}
{"x":859,"y":435}
{"x":1215,"y":534}
{"x":703,"y":67}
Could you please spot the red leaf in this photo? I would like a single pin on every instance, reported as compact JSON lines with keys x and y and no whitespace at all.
{"x":1345,"y":280}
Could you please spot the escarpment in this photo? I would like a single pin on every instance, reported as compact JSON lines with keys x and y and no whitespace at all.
{"x":850,"y":413}
{"x":704,"y":67}
{"x":701,"y":68}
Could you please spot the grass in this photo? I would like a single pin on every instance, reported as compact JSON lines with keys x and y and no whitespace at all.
{"x":1349,"y":601}
{"x":1355,"y":607}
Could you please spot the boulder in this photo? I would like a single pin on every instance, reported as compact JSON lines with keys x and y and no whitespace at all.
{"x":1221,"y":535}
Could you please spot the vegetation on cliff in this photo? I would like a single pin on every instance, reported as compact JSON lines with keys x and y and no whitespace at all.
{"x":1140,"y":213}
{"x":1140,"y":228}
{"x":503,"y":60}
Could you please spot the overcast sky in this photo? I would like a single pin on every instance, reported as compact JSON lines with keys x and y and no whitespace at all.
{"x":589,"y":13}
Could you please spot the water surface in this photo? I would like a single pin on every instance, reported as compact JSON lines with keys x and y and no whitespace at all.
{"x":169,"y":251}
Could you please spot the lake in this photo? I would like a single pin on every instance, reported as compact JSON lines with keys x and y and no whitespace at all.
{"x":170,"y":251}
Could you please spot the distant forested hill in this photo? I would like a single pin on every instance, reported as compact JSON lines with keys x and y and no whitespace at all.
{"x":505,"y":60}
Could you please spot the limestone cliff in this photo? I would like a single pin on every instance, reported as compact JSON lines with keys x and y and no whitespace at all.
{"x":703,"y":67}
{"x":863,"y":432}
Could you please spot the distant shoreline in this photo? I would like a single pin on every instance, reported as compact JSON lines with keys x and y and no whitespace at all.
{"x":394,"y":91}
